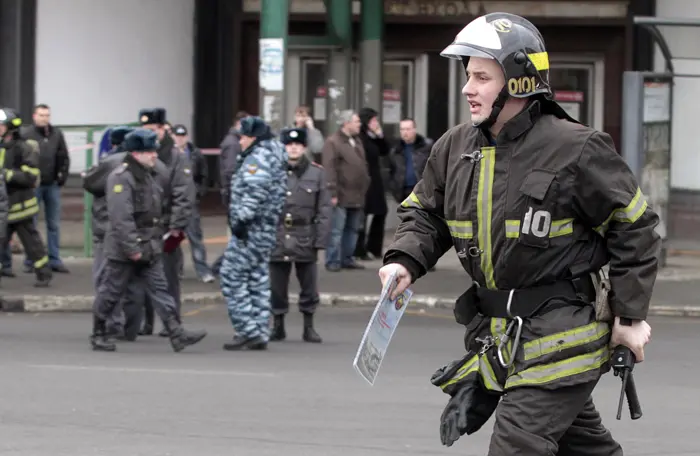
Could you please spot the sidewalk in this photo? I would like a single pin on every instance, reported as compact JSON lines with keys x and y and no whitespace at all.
{"x":677,"y":290}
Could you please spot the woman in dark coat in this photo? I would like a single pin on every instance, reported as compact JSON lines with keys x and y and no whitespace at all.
{"x":370,"y":244}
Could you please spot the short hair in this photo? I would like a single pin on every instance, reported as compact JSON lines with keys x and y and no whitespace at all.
{"x":41,"y":106}
{"x":240,"y":115}
{"x":346,"y":116}
{"x":407,"y":119}
{"x":303,"y":109}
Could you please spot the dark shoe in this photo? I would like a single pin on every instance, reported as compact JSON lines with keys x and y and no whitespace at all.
{"x":60,"y":268}
{"x":353,"y":266}
{"x":43,"y":277}
{"x":99,"y":339}
{"x":181,"y":338}
{"x":8,"y":273}
{"x":240,"y":342}
{"x":164,"y":333}
{"x":333,"y":268}
{"x":147,"y":330}
{"x":278,"y":333}
{"x":310,"y":334}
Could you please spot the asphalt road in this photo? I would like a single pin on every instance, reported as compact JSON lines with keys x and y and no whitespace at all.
{"x":60,"y":398}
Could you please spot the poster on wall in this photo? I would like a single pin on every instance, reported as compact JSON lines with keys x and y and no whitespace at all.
{"x":391,"y":109}
{"x":319,"y":108}
{"x":272,"y":64}
{"x":570,"y":101}
{"x":657,"y":102}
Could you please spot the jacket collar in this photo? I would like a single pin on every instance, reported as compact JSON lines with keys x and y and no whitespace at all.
{"x":137,"y":169}
{"x":521,"y":123}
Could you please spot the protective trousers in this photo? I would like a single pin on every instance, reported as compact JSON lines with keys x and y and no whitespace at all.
{"x":33,"y":246}
{"x":245,"y":284}
{"x":171,"y":268}
{"x":128,"y":309}
{"x":117,"y":276}
{"x":562,"y":422}
{"x":307,"y":274}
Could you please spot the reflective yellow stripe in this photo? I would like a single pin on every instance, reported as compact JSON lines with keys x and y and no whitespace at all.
{"x":540,"y":60}
{"x":412,"y":201}
{"x":460,"y":229}
{"x":559,"y":228}
{"x":30,"y":170}
{"x":8,"y":175}
{"x":488,"y":375}
{"x":484,"y":212}
{"x":26,"y":213}
{"x":472,"y":365}
{"x":24,"y":205}
{"x":565,"y":339}
{"x":629,"y":214}
{"x":2,"y":157}
{"x":546,"y":373}
{"x":41,"y":262}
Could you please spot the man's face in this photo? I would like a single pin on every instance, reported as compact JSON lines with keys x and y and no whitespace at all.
{"x":237,"y":125}
{"x":353,"y":127}
{"x":41,"y":117}
{"x":407,"y":129}
{"x":246,"y":141}
{"x":485,"y":81}
{"x":159,"y":130}
{"x":147,"y":159}
{"x":295,"y":151}
{"x":181,"y":140}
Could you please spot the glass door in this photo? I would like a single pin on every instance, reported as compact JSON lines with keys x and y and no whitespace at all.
{"x":572,"y":84}
{"x":397,"y":95}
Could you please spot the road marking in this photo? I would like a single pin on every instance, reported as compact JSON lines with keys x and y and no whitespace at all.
{"x":68,"y":367}
{"x":200,"y":310}
{"x":423,"y":313}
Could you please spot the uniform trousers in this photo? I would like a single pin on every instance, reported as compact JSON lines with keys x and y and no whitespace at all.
{"x":171,"y":269}
{"x":307,"y":275}
{"x":120,"y":274}
{"x":31,"y":241}
{"x":560,"y":422}
{"x":245,"y":284}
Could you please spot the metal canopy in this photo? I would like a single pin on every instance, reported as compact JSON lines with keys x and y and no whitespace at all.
{"x":652,"y":24}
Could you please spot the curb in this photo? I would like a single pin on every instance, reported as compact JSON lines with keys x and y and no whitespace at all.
{"x":83,"y":303}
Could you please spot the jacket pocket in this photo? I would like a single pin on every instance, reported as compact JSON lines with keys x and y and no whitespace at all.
{"x":540,"y":191}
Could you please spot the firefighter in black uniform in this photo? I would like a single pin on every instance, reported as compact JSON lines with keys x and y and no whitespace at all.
{"x":20,"y":164}
{"x":535,"y":205}
{"x":303,"y":230}
{"x":178,"y":210}
{"x":133,"y":243}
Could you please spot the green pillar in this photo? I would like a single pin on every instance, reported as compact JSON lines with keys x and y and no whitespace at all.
{"x":274,"y":17}
{"x":340,"y":61}
{"x":372,"y":53}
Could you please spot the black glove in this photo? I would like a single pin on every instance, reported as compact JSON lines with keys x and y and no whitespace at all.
{"x":147,"y":255}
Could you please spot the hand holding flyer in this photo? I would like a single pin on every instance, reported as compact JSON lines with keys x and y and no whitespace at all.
{"x":380,"y":329}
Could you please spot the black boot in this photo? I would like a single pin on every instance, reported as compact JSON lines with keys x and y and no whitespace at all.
{"x":99,"y":338}
{"x":240,"y":342}
{"x":278,"y":332}
{"x":43,"y":277}
{"x":180,"y":338}
{"x":310,"y":334}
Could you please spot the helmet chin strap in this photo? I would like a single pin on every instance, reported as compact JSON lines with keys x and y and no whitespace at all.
{"x":496,"y":109}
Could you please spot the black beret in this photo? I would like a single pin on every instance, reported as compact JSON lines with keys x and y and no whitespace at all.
{"x":152,"y":116}
{"x":179,"y":130}
{"x":140,"y":140}
{"x":293,"y":135}
{"x":116,"y":136}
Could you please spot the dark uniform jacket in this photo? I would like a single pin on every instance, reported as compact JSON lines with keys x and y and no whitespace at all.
{"x":182,"y":193}
{"x":20,"y":161}
{"x":54,"y":159}
{"x":228,"y":159}
{"x":95,"y":182}
{"x":305,"y":222}
{"x":135,"y":206}
{"x":200,"y":172}
{"x":4,"y":210}
{"x":549,"y":196}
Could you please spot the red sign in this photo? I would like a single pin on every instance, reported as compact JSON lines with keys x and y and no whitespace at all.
{"x":320,"y":92}
{"x":568,"y":95}
{"x":392,"y":95}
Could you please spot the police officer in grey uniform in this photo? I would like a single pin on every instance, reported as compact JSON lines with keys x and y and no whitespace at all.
{"x":177,"y":216}
{"x":133,"y":243}
{"x":303,"y":230}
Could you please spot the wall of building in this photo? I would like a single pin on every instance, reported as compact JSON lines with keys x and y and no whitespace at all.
{"x":100,"y":61}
